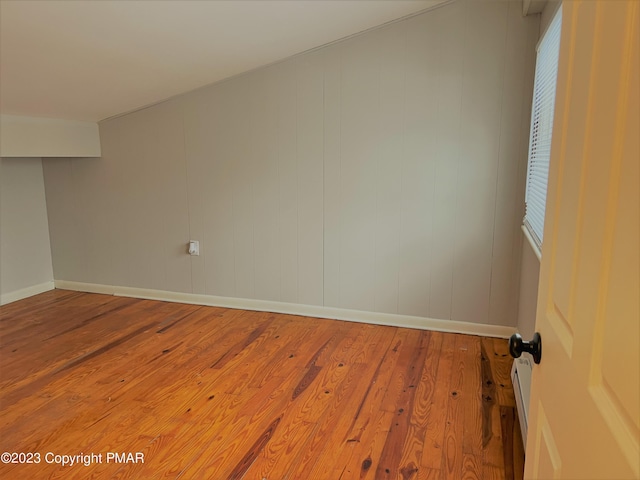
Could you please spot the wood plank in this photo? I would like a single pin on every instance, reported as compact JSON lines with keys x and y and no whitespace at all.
{"x":472,"y":399}
{"x":304,"y":418}
{"x":82,"y":313}
{"x":488,"y":395}
{"x":401,"y":434}
{"x":355,"y":421}
{"x":507,"y":421}
{"x":452,"y":456}
{"x":434,"y":437}
{"x":420,"y":413}
{"x":299,"y":389}
{"x":206,"y":392}
{"x":492,"y":439}
{"x":471,"y":467}
{"x":111,"y":333}
{"x":518,"y":451}
{"x":366,"y":425}
{"x":501,"y":363}
{"x":33,"y":304}
{"x":109,"y":383}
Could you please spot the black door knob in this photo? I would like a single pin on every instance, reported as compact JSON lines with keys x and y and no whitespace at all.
{"x":534,"y":347}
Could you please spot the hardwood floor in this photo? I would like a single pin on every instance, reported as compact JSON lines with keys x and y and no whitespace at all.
{"x":214,"y":393}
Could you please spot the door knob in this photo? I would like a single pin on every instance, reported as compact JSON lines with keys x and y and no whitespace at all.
{"x":534,"y":347}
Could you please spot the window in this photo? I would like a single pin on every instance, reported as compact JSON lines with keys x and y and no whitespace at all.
{"x":544,"y":96}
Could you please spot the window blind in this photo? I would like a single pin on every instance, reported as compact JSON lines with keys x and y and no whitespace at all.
{"x":544,"y":96}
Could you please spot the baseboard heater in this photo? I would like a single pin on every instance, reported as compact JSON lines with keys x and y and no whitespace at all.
{"x":521,"y":379}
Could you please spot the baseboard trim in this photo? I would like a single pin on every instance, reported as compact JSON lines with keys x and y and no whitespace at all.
{"x":85,"y":287}
{"x":26,"y":292}
{"x":376,"y":318}
{"x":521,"y":380}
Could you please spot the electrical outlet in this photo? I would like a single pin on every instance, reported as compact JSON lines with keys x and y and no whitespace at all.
{"x":194,"y":247}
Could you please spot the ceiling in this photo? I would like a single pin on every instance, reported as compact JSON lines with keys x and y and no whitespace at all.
{"x":90,"y":60}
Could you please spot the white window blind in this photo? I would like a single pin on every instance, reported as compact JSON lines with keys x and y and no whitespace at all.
{"x":544,"y":96}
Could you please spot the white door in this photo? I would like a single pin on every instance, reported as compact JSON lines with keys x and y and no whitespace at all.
{"x":585,"y":403}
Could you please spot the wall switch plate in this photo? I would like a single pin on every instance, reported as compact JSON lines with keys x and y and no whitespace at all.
{"x":194,"y":247}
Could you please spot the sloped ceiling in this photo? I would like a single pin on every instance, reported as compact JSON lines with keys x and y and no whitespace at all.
{"x":90,"y":60}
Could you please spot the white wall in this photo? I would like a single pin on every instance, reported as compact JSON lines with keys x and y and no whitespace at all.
{"x":384,"y":173}
{"x":25,"y":254}
{"x":47,"y":137}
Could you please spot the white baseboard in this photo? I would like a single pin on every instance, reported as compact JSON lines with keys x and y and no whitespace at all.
{"x":295,"y":309}
{"x":85,"y":287}
{"x":26,"y":292}
{"x":521,"y":379}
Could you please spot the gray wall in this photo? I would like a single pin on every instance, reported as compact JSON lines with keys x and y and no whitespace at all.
{"x":529,"y":263}
{"x":25,"y":254}
{"x":384,"y":173}
{"x":529,"y":277}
